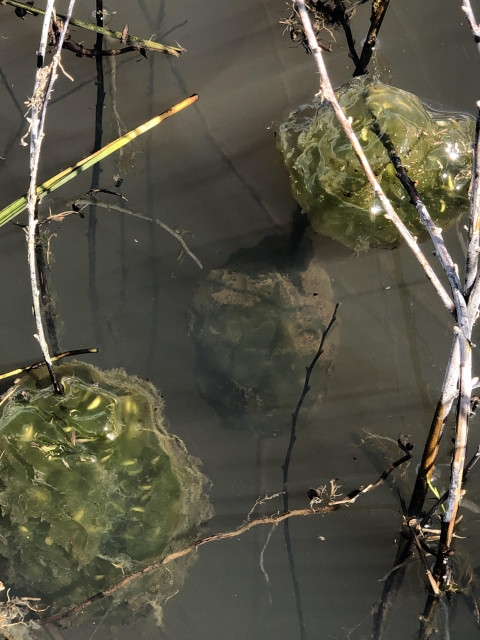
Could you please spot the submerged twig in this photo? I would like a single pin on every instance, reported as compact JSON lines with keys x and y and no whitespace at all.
{"x":286,"y":466}
{"x":81,"y":51}
{"x":117,"y":35}
{"x":115,"y":207}
{"x":306,"y":389}
{"x":272,"y":520}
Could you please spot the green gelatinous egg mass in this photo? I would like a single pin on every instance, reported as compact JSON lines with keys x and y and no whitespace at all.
{"x":91,"y":484}
{"x":329,"y":183}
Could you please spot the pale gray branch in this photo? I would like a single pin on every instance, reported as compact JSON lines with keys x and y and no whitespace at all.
{"x":44,"y":80}
{"x":471,"y":268}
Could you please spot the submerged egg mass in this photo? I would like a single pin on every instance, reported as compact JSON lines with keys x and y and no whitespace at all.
{"x":256,"y":325}
{"x":91,"y":484}
{"x":327,"y":178}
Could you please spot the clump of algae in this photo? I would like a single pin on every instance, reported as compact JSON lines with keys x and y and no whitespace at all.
{"x":92,"y":487}
{"x":329,"y":183}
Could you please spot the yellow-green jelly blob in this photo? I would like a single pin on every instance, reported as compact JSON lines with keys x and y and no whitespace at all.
{"x":91,"y":483}
{"x":329,"y":183}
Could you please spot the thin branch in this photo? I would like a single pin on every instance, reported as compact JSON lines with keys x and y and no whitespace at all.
{"x":471,"y":268}
{"x":422,"y":557}
{"x":445,"y":402}
{"x":116,"y":35}
{"x":44,"y":80}
{"x":467,"y":8}
{"x":435,"y":232}
{"x":272,"y":520}
{"x":81,"y":51}
{"x":379,"y":8}
{"x":286,"y":466}
{"x":427,"y":517}
{"x":345,"y":22}
{"x":458,"y":463}
{"x":358,"y":493}
{"x":474,"y":218}
{"x":449,"y":391}
{"x":306,"y":389}
{"x":326,"y":91}
{"x":130,"y":212}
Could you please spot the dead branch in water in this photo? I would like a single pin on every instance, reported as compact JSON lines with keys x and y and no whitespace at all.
{"x":459,"y":369}
{"x":271,"y":520}
{"x":44,"y":80}
{"x":115,"y":207}
{"x":150,"y":45}
{"x":379,"y":8}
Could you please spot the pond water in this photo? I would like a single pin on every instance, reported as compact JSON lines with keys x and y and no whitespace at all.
{"x":214,"y":171}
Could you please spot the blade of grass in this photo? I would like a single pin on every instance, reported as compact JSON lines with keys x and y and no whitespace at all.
{"x":61,"y":178}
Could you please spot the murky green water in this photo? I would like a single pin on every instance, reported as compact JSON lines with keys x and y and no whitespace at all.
{"x":214,"y":170}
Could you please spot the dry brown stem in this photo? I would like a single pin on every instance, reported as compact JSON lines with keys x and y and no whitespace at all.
{"x":250,"y":524}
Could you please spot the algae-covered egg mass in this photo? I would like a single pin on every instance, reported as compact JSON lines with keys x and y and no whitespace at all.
{"x":92,"y":486}
{"x":329,"y":183}
{"x":257,"y":326}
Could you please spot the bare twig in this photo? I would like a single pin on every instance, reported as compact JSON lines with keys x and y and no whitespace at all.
{"x":463,"y":314}
{"x":444,"y":405}
{"x":345,"y":22}
{"x":444,"y":497}
{"x":116,"y":35}
{"x":44,"y":80}
{"x":286,"y":466}
{"x":421,"y":554}
{"x":435,"y":232}
{"x":379,"y":8}
{"x":463,"y":318}
{"x":471,"y":269}
{"x":354,"y":495}
{"x":474,"y":220}
{"x":272,"y":520}
{"x":82,"y":51}
{"x":130,"y":212}
{"x":458,"y":463}
{"x":467,"y":8}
